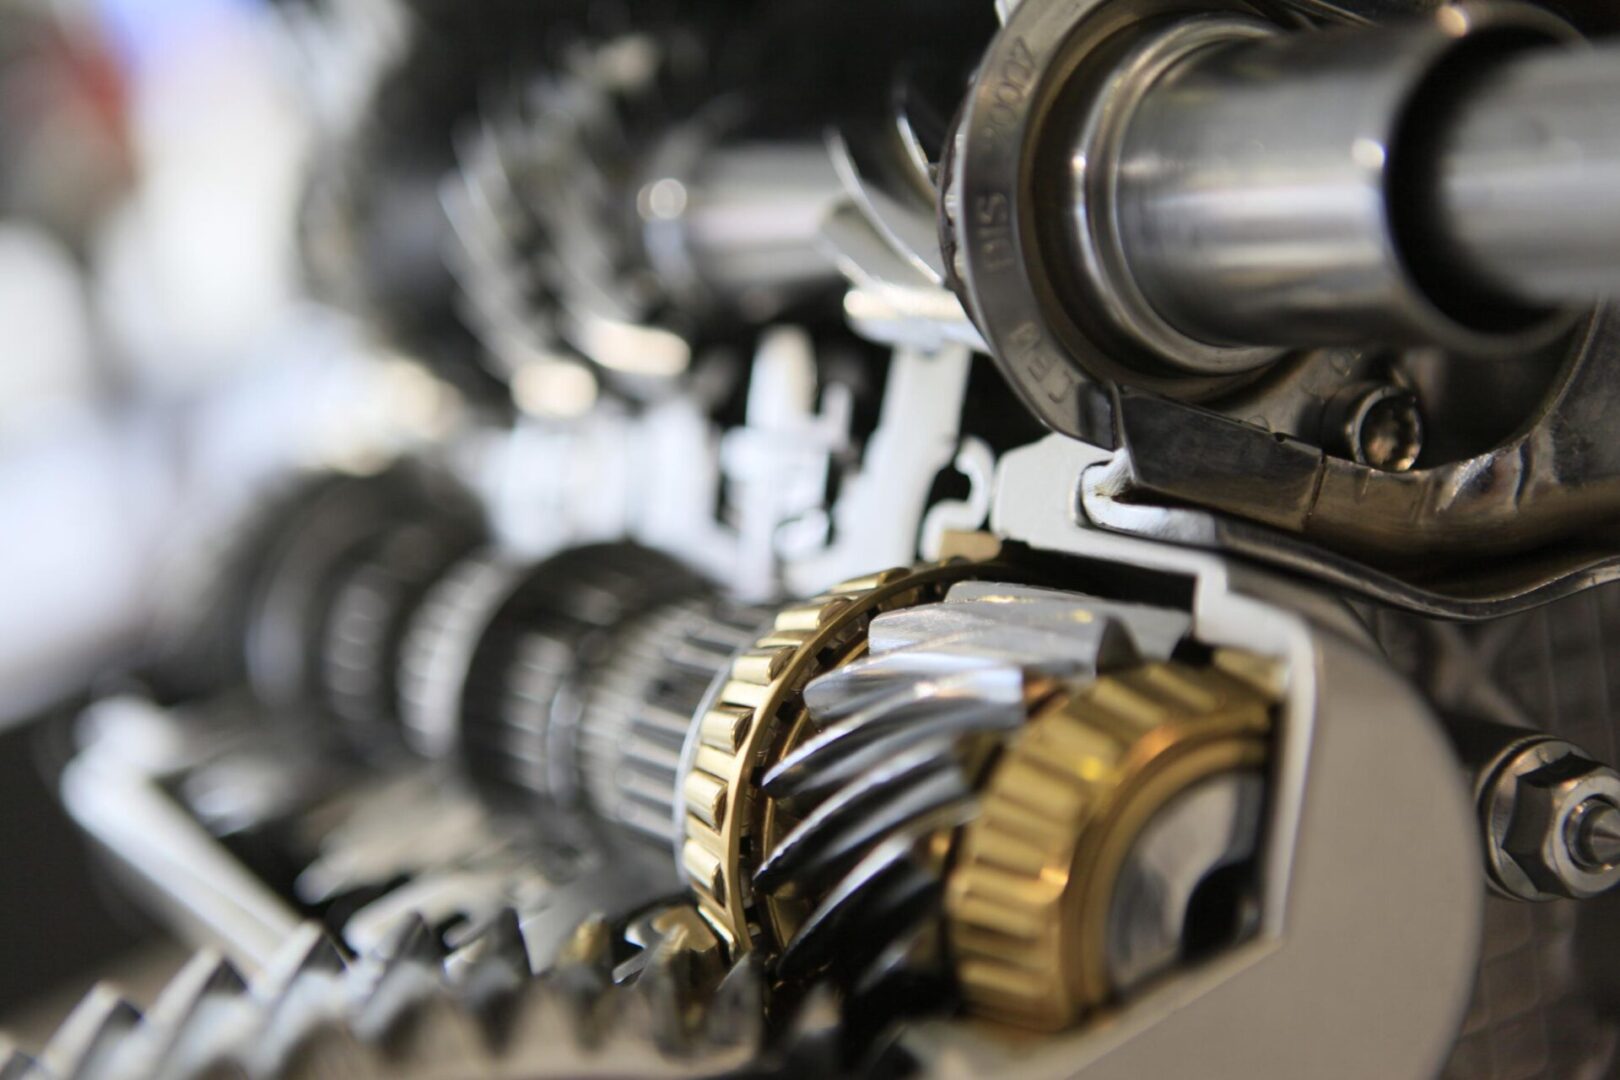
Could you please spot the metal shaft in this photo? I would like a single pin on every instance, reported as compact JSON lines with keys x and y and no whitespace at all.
{"x":1529,"y":176}
{"x":1448,"y":183}
{"x":741,"y":223}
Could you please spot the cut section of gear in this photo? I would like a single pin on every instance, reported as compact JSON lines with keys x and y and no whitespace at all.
{"x":886,"y":782}
{"x":1030,"y":901}
{"x":861,"y":805}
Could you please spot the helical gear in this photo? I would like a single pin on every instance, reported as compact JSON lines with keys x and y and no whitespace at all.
{"x":750,"y":718}
{"x":932,"y":777}
{"x":894,"y":749}
{"x":879,"y":802}
{"x":542,"y":253}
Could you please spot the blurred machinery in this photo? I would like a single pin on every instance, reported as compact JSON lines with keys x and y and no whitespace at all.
{"x":962,"y":538}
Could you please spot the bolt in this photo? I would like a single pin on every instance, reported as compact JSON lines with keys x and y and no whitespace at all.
{"x":1552,"y":819}
{"x":1594,"y":834}
{"x":1375,"y":423}
{"x":1384,"y":428}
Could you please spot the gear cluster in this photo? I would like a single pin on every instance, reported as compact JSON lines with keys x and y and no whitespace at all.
{"x":859,"y":537}
{"x":950,"y":778}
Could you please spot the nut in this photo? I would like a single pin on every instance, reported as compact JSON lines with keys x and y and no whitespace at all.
{"x":1535,"y":811}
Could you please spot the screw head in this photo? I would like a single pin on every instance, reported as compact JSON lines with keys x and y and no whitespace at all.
{"x":1384,"y":429}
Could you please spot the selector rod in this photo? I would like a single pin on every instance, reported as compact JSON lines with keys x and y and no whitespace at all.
{"x":1454,"y":182}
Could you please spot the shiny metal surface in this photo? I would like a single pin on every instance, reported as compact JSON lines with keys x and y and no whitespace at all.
{"x":1540,"y":1008}
{"x":1531,"y":490}
{"x":1087,"y":251}
{"x":1529,"y":177}
{"x":1107,"y":173}
{"x":1237,"y":1019}
{"x":1263,"y":188}
{"x":1233,"y":1017}
{"x":116,"y":792}
{"x":739,"y":224}
{"x":1144,"y":336}
{"x":1593,"y":834}
{"x":1210,"y":827}
{"x":1535,"y":807}
{"x":992,"y":223}
{"x":405,"y":1010}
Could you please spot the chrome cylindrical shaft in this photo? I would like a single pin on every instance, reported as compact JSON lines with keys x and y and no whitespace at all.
{"x":1529,"y":176}
{"x":1450,"y":183}
{"x":741,"y":224}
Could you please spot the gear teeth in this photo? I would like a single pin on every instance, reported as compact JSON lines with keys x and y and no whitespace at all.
{"x":308,"y":953}
{"x":411,"y":972}
{"x":580,"y":982}
{"x":842,"y":752}
{"x":655,"y":1004}
{"x":369,"y":615}
{"x":92,"y":1034}
{"x":304,"y":998}
{"x":757,"y":705}
{"x":539,"y":253}
{"x":400,"y":1015}
{"x":837,"y":833}
{"x":493,"y":961}
{"x":880,"y":897}
{"x":979,"y":626}
{"x":888,"y":758}
{"x":322,"y":1051}
{"x":736,"y":1015}
{"x":640,"y":709}
{"x":815,"y":1033}
{"x":435,"y":1037}
{"x":543,"y":1020}
{"x":528,"y":675}
{"x":194,"y":996}
{"x":205,"y":1039}
{"x":206,"y":975}
{"x":682,"y":975}
{"x":1026,"y":914}
{"x":910,"y":974}
{"x":439,"y":644}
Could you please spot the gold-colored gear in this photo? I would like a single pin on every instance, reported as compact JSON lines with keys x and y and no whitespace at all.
{"x":1028,"y":898}
{"x":754,"y":720}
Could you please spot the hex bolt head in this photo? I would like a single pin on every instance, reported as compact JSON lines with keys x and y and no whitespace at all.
{"x":1552,"y":820}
